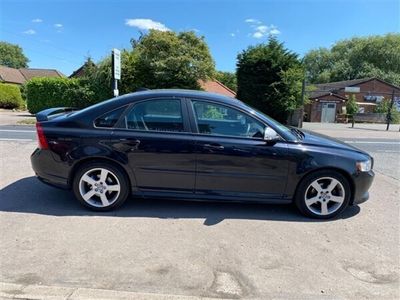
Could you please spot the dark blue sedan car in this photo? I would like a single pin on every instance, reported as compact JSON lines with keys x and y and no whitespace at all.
{"x":192,"y":145}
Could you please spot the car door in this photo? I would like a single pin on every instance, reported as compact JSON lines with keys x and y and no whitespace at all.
{"x":154,"y":137}
{"x":233,"y":160}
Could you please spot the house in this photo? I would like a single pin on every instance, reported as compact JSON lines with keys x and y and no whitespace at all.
{"x":214,"y":86}
{"x":20,"y":76}
{"x":328,"y":100}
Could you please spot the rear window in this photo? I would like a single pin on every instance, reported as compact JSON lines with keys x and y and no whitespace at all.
{"x":109,"y":119}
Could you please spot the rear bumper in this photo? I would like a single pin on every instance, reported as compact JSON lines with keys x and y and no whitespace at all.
{"x":48,"y":170}
{"x":362,"y":183}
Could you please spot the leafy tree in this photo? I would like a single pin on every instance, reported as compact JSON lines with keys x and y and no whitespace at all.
{"x":351,"y":105}
{"x":359,"y":57}
{"x":12,"y":56}
{"x":227,"y":78}
{"x":170,"y":60}
{"x":269,"y":78}
{"x":156,"y":60}
{"x":318,"y":64}
{"x":383,"y":108}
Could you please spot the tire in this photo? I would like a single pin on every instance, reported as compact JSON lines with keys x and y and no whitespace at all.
{"x":323,"y":194}
{"x":100,"y":186}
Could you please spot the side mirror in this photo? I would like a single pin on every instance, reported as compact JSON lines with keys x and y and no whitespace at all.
{"x":270,"y":136}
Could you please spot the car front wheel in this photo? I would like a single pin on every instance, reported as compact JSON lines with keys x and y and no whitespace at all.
{"x":100,"y":186}
{"x":323,"y":194}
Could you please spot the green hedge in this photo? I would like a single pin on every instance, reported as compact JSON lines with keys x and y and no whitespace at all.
{"x":10,"y":96}
{"x":45,"y":93}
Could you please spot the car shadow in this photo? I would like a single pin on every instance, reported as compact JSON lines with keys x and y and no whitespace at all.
{"x":29,"y":195}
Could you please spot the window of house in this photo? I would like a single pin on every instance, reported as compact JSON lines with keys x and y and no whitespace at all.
{"x":218,"y":119}
{"x":109,"y":119}
{"x":156,"y":115}
{"x":373,"y":98}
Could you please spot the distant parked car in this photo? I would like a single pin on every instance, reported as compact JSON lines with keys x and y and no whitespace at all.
{"x":194,"y":145}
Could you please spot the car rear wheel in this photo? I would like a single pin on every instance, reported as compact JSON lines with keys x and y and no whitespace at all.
{"x":100,"y":186}
{"x":323,"y":194}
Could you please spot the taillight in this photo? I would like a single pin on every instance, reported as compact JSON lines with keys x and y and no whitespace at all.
{"x":42,"y":141}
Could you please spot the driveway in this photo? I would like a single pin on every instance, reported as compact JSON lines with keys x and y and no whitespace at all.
{"x":186,"y":249}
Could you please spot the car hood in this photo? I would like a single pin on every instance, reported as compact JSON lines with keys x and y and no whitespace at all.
{"x":316,"y":139}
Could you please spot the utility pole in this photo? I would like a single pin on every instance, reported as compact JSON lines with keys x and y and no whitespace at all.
{"x":389,"y":113}
{"x":303,"y":91}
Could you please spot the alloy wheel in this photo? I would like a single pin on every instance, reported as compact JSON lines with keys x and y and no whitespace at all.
{"x":99,"y":187}
{"x":324,"y":196}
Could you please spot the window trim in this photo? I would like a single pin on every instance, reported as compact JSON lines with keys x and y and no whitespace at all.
{"x":185,"y":121}
{"x":193,"y":121}
{"x":126,"y":106}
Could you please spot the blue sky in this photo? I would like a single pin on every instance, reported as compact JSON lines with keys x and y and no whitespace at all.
{"x":59,"y":34}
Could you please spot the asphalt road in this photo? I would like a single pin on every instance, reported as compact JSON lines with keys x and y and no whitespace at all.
{"x":386,"y":152}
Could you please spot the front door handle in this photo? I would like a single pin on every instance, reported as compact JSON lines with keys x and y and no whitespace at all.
{"x":213,"y":147}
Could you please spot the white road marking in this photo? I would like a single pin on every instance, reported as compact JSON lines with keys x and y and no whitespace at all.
{"x":10,"y":130}
{"x":388,"y":151}
{"x":367,"y":142}
{"x":23,"y":140}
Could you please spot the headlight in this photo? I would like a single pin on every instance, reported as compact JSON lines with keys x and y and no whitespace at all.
{"x":364,"y":166}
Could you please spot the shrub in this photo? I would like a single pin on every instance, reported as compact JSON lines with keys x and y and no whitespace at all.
{"x":44,"y":93}
{"x":383,"y":108}
{"x":351,"y":106}
{"x":10,"y":96}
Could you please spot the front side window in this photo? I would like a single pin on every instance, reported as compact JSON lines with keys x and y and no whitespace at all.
{"x":218,"y":119}
{"x":156,"y":115}
{"x":109,"y":119}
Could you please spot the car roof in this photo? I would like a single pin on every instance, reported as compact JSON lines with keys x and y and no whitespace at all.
{"x":179,"y":93}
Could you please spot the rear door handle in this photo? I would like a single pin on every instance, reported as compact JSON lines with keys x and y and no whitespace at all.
{"x":132,"y":142}
{"x":213,"y":147}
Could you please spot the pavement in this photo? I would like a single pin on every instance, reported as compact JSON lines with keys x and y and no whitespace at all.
{"x":52,"y":248}
{"x":13,"y":117}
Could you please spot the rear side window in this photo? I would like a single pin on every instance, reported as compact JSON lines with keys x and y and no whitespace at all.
{"x":156,"y":115}
{"x":109,"y":119}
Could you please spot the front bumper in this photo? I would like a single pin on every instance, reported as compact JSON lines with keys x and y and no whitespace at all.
{"x":362,"y":183}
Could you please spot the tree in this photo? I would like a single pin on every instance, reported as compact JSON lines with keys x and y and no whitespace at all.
{"x":359,"y":57}
{"x":165,"y":59}
{"x":12,"y":56}
{"x":227,"y":78}
{"x":351,"y":106}
{"x":269,"y":78}
{"x":383,"y":108}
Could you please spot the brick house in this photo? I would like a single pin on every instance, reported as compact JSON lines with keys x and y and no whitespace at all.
{"x":214,"y":86}
{"x":20,"y":76}
{"x":328,"y":100}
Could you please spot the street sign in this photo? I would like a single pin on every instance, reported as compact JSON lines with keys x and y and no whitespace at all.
{"x":352,"y":89}
{"x":116,"y":59}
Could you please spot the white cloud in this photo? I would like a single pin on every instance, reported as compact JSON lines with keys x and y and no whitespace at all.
{"x":58,"y":25}
{"x":232,"y":34}
{"x":29,"y":31}
{"x":254,"y":21}
{"x":262,"y":31}
{"x":274,"y":31}
{"x":257,"y":35}
{"x":146,"y":24}
{"x":37,"y":20}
